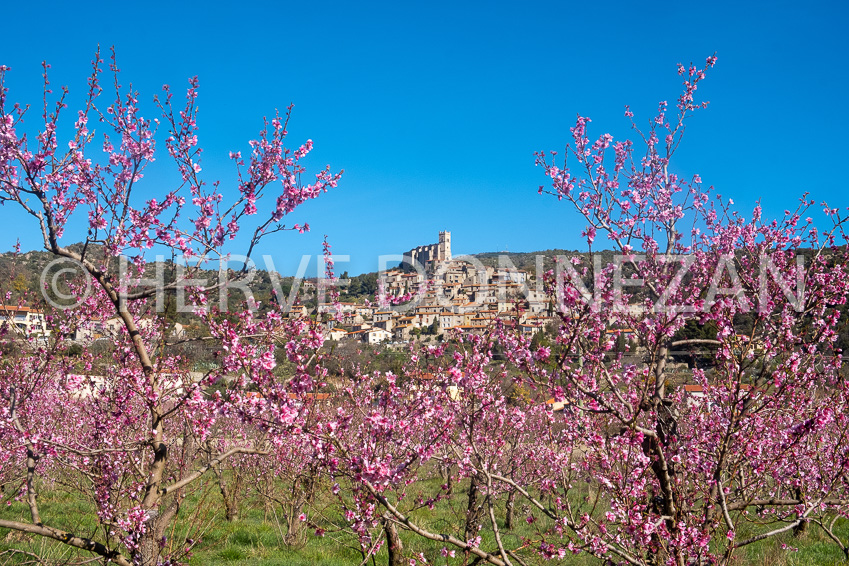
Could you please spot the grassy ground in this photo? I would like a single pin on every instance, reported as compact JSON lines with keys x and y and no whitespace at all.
{"x":257,"y":538}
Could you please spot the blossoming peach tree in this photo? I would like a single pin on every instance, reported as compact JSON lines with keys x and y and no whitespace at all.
{"x":637,"y":465}
{"x":760,"y":446}
{"x":130,"y":430}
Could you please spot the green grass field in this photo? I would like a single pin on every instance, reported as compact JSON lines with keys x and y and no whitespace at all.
{"x":258,"y":537}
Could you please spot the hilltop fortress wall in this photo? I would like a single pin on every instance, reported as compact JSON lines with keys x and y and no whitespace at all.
{"x":431,"y":254}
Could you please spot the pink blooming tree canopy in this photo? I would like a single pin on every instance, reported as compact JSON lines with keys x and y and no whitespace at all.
{"x":131,"y":431}
{"x":761,"y":448}
{"x":632,"y":467}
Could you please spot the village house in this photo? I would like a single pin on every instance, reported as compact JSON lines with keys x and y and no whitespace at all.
{"x":382,"y":316}
{"x":506,"y":275}
{"x":401,"y":332}
{"x":371,"y":335}
{"x":336,"y":334}
{"x":24,"y":321}
{"x":108,"y":329}
{"x":449,"y":320}
{"x":529,"y":330}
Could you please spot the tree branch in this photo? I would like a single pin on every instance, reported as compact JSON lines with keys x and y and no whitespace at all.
{"x":214,"y":462}
{"x":67,"y":538}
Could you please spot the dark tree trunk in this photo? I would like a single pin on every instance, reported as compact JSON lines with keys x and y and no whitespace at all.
{"x":150,"y":546}
{"x":231,"y":504}
{"x":800,"y":529}
{"x":509,"y":509}
{"x":149,"y":550}
{"x":394,"y":547}
{"x":474,"y":510}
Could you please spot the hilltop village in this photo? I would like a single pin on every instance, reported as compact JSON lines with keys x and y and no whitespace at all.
{"x":430,"y":294}
{"x":438,"y":294}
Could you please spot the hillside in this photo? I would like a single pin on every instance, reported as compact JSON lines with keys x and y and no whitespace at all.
{"x":23,"y":275}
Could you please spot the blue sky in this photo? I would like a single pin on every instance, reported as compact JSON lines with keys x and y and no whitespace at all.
{"x":434,"y":109}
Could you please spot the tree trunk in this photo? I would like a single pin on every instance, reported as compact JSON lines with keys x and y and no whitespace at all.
{"x":149,"y":551}
{"x":153,"y":541}
{"x":231,"y":503}
{"x":394,"y":547}
{"x":231,"y":510}
{"x":291,"y":516}
{"x":150,"y":546}
{"x":509,"y":509}
{"x":800,"y":529}
{"x":474,"y":510}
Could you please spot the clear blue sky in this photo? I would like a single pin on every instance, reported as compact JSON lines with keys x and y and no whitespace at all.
{"x":434,"y":109}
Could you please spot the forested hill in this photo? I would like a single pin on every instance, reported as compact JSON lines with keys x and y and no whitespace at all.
{"x":528,"y":261}
{"x":21,"y":275}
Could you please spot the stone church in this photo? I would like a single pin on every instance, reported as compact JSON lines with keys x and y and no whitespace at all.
{"x":430,"y":255}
